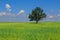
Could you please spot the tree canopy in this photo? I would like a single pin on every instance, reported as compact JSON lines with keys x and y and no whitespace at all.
{"x":37,"y":14}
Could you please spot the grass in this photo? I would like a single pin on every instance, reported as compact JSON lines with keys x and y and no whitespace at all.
{"x":29,"y":31}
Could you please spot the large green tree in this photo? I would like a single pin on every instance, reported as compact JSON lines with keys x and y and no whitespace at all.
{"x":37,"y":14}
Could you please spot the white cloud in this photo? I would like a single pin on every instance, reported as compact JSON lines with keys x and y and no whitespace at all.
{"x":8,"y":6}
{"x":6,"y":14}
{"x":11,"y":14}
{"x":2,"y":13}
{"x":21,"y":12}
{"x":50,"y":16}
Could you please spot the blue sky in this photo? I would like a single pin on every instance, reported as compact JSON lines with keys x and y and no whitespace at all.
{"x":18,"y":10}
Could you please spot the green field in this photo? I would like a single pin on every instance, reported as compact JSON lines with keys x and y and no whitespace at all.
{"x":29,"y":31}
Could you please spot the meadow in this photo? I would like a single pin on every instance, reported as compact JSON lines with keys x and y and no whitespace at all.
{"x":29,"y":31}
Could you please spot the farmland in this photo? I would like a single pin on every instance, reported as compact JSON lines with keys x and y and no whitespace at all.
{"x":29,"y":31}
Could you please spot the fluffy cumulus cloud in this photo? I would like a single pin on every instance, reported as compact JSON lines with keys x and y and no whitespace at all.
{"x":50,"y":16}
{"x":2,"y":13}
{"x":11,"y":14}
{"x":8,"y":7}
{"x":21,"y":12}
{"x":6,"y":14}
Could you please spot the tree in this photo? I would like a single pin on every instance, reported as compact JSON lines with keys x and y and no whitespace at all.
{"x":37,"y":14}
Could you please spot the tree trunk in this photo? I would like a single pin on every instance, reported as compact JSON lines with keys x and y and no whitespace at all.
{"x":36,"y":22}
